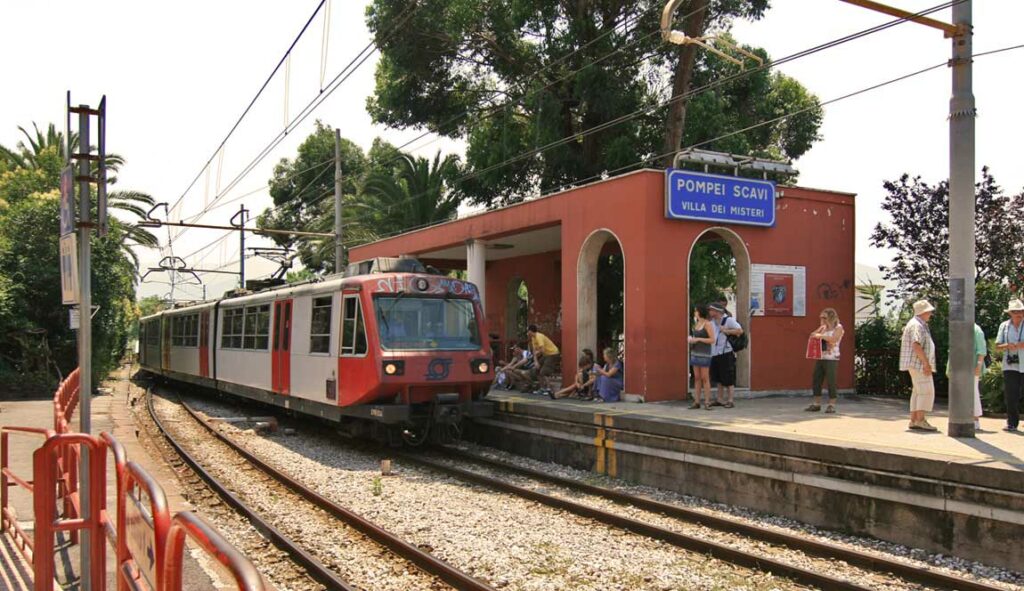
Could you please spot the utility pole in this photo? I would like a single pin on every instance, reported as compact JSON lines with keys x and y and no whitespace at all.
{"x":238,"y":220}
{"x":962,"y":112}
{"x":84,"y":335}
{"x":339,"y":250}
{"x":82,"y":293}
{"x":961,"y":230}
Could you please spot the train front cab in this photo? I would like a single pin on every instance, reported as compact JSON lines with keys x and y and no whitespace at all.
{"x":414,"y":357}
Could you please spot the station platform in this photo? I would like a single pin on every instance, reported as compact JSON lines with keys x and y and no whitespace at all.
{"x":860,"y":470}
{"x":110,"y":413}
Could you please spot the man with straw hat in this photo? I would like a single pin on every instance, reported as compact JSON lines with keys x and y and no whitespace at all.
{"x":917,"y":357}
{"x":1009,"y":341}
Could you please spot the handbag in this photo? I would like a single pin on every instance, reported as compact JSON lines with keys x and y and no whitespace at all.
{"x":814,"y":348}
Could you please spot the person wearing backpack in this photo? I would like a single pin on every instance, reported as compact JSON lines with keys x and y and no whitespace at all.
{"x":831,"y":333}
{"x":728,"y":341}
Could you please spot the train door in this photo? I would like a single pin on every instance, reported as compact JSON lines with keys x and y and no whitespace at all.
{"x":204,"y":343}
{"x":282,"y":348}
{"x":356,"y":371}
{"x":165,"y":343}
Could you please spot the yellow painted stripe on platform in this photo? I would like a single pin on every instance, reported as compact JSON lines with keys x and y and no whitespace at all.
{"x":609,"y":444}
{"x":599,"y":460}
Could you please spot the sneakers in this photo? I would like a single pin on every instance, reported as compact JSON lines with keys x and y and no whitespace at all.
{"x":923,"y":426}
{"x":813,"y":407}
{"x":830,"y":409}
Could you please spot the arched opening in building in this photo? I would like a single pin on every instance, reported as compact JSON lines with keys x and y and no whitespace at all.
{"x":517,"y":310}
{"x":719,"y":271}
{"x":600,"y":294}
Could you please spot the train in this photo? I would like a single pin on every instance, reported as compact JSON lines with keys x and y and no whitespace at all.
{"x":386,"y":350}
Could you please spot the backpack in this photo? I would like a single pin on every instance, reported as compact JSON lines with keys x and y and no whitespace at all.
{"x":737,"y":342}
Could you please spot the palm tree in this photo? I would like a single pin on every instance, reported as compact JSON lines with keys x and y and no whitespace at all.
{"x":415,"y":193}
{"x":30,"y":156}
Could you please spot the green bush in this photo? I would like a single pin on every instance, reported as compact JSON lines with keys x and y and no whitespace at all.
{"x":877,"y":358}
{"x":992,"y":388}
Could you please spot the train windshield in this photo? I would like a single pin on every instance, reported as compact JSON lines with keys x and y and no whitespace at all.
{"x":409,"y":323}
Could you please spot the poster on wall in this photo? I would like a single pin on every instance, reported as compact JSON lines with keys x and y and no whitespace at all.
{"x":778,"y":290}
{"x":778,"y":294}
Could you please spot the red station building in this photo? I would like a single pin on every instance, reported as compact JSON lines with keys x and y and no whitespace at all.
{"x":786,"y":272}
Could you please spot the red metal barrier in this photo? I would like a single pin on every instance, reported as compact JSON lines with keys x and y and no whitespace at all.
{"x":186,"y":523}
{"x":8,"y":519}
{"x":120,"y":461}
{"x":142,"y":532}
{"x":45,"y":474}
{"x":65,"y":402}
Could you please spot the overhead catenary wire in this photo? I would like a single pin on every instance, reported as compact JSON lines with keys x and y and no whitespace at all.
{"x":655,"y":157}
{"x":466,"y":113}
{"x":689,"y":94}
{"x":252,"y":102}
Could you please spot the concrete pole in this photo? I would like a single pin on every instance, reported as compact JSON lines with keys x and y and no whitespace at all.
{"x":476,"y":267}
{"x":84,"y":337}
{"x":241,"y":248}
{"x":339,"y":250}
{"x":961,"y":231}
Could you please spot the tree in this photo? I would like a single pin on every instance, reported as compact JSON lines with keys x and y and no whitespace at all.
{"x":712,"y":272}
{"x":303,"y":192}
{"x":546,"y":79}
{"x":919,"y":234}
{"x":417,"y":192}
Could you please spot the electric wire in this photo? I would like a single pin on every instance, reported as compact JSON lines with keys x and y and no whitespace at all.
{"x":653,"y":158}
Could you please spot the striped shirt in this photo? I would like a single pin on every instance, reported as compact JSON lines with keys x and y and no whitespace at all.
{"x":916,"y":331}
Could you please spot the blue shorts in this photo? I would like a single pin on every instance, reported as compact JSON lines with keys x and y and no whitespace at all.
{"x":697,"y":361}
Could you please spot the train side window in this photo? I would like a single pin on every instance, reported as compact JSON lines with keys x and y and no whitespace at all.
{"x":231,"y":333}
{"x":353,"y":333}
{"x":257,"y":328}
{"x":320,"y":325}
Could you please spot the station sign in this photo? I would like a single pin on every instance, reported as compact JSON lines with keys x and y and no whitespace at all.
{"x":69,"y":268}
{"x":715,"y":198}
{"x":67,"y":201}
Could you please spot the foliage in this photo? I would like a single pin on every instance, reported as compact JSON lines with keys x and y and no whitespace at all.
{"x":528,"y":74}
{"x":150,"y":305}
{"x":415,"y":193}
{"x":299,"y":276}
{"x":919,"y":233}
{"x":28,"y":236}
{"x":712,"y":272}
{"x":992,"y":396}
{"x":877,"y":359}
{"x":36,"y":344}
{"x":383,"y":192}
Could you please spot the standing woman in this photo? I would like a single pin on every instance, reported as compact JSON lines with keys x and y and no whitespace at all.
{"x":1010,"y":340}
{"x":610,"y":378}
{"x":702,"y":336}
{"x":830,"y":332}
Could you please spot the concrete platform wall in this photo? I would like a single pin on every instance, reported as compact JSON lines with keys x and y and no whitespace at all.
{"x":971,"y":512}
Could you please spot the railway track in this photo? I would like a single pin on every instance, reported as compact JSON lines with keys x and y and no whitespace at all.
{"x":878,"y":567}
{"x":879,"y":564}
{"x":317,"y":569}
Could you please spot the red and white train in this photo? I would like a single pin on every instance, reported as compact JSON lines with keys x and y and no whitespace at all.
{"x":390,"y":355}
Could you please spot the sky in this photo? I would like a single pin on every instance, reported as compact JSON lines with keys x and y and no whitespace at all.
{"x":177,"y":76}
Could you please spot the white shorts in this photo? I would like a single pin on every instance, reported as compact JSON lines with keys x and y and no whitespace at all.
{"x":922,"y":397}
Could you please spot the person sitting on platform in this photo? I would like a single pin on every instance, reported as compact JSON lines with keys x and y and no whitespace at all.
{"x":514,"y":374}
{"x":546,"y":358}
{"x":610,"y":378}
{"x":584,"y":382}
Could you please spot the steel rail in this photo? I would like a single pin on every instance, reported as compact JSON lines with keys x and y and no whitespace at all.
{"x":909,"y":572}
{"x":426,"y":562}
{"x":315,"y":568}
{"x":685,"y":541}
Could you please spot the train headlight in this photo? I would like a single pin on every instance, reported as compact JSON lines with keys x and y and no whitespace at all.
{"x":480,"y":366}
{"x":394,"y":368}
